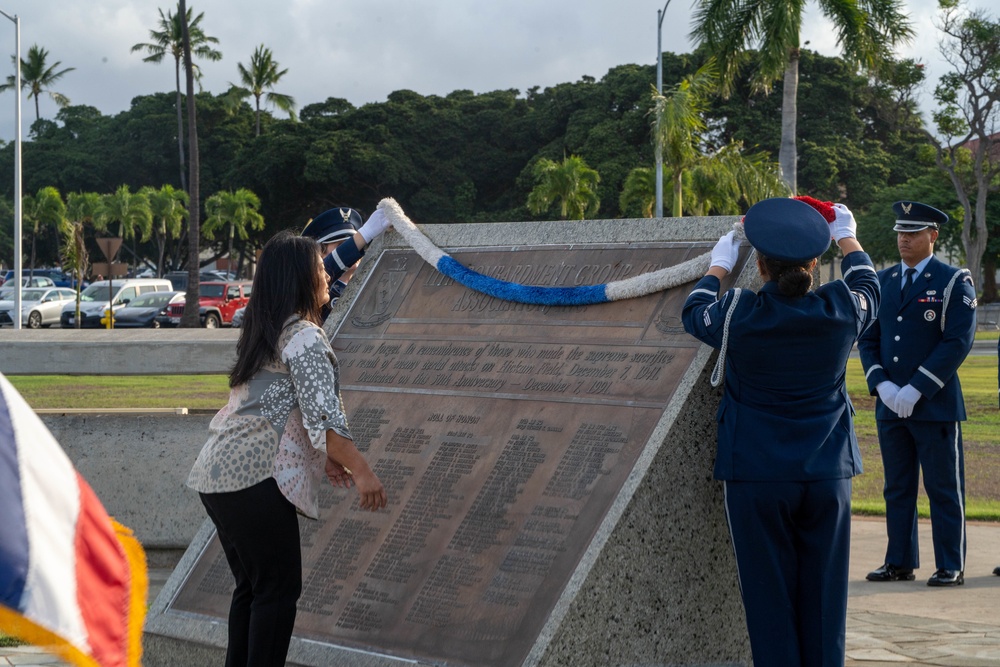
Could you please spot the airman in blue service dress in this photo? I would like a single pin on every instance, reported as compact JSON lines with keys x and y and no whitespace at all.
{"x":343,"y":239}
{"x":786,"y":444}
{"x":924,"y":331}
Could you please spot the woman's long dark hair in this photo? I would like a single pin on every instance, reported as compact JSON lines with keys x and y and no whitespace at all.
{"x":286,"y":284}
{"x":794,"y":278}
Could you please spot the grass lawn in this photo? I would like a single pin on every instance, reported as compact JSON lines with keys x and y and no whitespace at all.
{"x":132,"y":391}
{"x":981,"y":433}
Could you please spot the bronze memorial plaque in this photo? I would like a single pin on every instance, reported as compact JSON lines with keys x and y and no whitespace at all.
{"x":502,"y":432}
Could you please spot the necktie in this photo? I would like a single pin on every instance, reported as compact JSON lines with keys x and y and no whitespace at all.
{"x":907,"y":281}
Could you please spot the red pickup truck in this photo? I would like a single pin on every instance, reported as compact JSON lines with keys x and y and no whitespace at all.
{"x":216,"y":304}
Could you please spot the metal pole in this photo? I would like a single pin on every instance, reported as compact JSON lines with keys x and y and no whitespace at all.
{"x":17,"y":169}
{"x":660,"y":13}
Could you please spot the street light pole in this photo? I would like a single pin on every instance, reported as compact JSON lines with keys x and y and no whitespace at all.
{"x":660,"y":13}
{"x":16,"y":313}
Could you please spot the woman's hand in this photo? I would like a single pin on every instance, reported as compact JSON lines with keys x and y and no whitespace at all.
{"x":843,"y":226}
{"x":371,"y":493}
{"x":344,"y":459}
{"x":338,"y":474}
{"x":725,"y":254}
{"x":374,"y":226}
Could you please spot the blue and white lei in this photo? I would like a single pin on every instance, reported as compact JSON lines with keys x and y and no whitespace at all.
{"x":629,"y":288}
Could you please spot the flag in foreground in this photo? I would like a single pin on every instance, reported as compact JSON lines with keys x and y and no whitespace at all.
{"x":72,"y":580}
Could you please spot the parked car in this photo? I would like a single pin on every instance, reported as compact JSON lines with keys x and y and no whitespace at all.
{"x":58,"y":278}
{"x":40,"y":306}
{"x":7,"y":292}
{"x":217,"y":303}
{"x":95,"y":299}
{"x":179,"y":279}
{"x":37,"y":281}
{"x":142,"y":310}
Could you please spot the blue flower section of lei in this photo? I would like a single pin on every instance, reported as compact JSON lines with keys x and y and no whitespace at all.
{"x":501,"y":289}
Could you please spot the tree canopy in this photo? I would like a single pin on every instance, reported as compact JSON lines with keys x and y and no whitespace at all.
{"x":469,"y":157}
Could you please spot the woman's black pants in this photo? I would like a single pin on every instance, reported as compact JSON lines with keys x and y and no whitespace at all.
{"x":259,"y":532}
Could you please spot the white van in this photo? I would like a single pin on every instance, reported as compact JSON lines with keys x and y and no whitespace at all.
{"x":95,"y":299}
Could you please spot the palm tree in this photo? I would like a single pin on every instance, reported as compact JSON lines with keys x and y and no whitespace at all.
{"x":130,"y":210}
{"x":169,"y":209}
{"x":191,"y":318}
{"x":38,"y":78}
{"x":727,"y":181}
{"x":867,"y":31}
{"x":723,"y":183}
{"x":678,"y":123}
{"x":82,"y":209}
{"x":45,"y":210}
{"x":570,"y":183}
{"x":235,"y":210}
{"x":75,"y":256}
{"x":168,"y":39}
{"x":640,"y":187}
{"x":262,"y":75}
{"x":720,"y":182}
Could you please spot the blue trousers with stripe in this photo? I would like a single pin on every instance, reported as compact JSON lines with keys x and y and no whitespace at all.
{"x":792,"y":542}
{"x":909,"y":447}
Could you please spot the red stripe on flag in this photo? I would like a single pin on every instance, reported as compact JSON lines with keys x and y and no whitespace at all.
{"x":102,"y":580}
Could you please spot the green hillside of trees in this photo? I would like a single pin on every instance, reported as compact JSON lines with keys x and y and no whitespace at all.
{"x":469,"y":157}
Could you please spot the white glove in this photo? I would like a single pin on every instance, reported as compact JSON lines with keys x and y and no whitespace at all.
{"x":905,"y":400}
{"x":887,"y":392}
{"x":844,"y":225}
{"x":726,"y":251}
{"x":374,"y":226}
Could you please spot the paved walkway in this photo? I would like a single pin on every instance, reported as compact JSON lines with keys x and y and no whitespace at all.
{"x":909,"y":623}
{"x":899,"y":624}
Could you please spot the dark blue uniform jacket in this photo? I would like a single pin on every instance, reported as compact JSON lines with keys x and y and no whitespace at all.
{"x":785,"y":414}
{"x":336,"y":264}
{"x":907,"y":345}
{"x":342,"y":258}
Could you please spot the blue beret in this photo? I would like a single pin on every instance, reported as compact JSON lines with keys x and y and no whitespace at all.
{"x":336,"y":224}
{"x":912,"y":216}
{"x":787,"y":229}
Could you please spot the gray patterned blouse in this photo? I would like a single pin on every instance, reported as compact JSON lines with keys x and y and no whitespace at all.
{"x":275,"y":425}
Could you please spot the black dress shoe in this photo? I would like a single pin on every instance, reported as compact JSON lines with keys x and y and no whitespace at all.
{"x":890,"y":572}
{"x":946,"y":578}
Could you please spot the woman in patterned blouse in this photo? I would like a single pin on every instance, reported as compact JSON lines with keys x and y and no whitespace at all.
{"x":268,"y":449}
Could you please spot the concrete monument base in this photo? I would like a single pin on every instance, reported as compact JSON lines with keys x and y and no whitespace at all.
{"x":641,"y":571}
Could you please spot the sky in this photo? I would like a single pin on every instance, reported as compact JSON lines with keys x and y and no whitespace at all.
{"x":362,"y":50}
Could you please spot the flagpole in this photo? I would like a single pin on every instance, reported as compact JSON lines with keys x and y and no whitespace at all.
{"x":18,"y":272}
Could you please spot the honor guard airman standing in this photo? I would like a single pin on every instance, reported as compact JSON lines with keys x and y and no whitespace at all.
{"x":343,"y":240}
{"x":911,"y":355}
{"x":786,"y":444}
